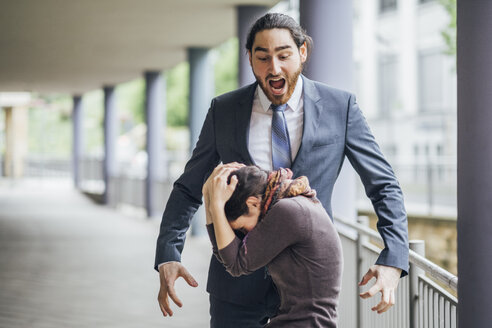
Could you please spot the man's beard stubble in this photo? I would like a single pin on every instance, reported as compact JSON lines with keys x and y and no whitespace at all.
{"x":291,"y":82}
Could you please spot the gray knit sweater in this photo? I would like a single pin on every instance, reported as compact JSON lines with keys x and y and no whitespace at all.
{"x":298,"y":243}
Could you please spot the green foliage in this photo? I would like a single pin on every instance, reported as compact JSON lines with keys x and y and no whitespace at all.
{"x":50,"y":130}
{"x":50,"y":124}
{"x":93,"y":114}
{"x":177,"y":81}
{"x":177,"y":91}
{"x":449,"y":33}
{"x":130,"y":100}
{"x":226,"y":66}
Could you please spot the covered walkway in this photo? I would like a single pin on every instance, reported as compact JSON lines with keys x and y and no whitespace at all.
{"x":67,"y":262}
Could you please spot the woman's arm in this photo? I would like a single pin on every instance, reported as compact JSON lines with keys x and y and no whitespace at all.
{"x":283,"y":226}
{"x":224,"y":234}
{"x":219,"y":193}
{"x":206,"y":190}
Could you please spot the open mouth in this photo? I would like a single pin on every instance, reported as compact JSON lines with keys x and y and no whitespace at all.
{"x":277,"y":85}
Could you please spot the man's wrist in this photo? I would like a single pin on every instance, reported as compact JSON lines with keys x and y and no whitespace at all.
{"x":162,"y":264}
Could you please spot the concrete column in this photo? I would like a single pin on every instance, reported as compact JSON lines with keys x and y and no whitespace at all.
{"x":16,"y":140}
{"x":246,"y":16}
{"x":329,"y":23}
{"x":154,"y":113}
{"x":110,"y":135}
{"x":201,"y":93}
{"x":474,"y":162}
{"x":77,"y":141}
{"x":407,"y":12}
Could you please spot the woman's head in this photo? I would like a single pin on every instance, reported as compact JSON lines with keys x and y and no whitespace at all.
{"x":252,"y":182}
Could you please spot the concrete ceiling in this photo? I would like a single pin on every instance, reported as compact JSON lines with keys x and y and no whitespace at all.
{"x":73,"y":46}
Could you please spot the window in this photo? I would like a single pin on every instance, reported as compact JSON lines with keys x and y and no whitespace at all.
{"x":387,"y":5}
{"x":387,"y":84}
{"x":430,"y":88}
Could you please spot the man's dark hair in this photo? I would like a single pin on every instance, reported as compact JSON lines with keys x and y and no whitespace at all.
{"x":276,"y":20}
{"x":252,"y":181}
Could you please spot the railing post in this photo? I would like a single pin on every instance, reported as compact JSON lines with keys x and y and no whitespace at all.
{"x":361,"y":240}
{"x":418,"y":246}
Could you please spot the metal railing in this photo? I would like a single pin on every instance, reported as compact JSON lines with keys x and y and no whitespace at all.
{"x":420,"y":300}
{"x":41,"y":167}
{"x":128,"y":185}
{"x":91,"y":174}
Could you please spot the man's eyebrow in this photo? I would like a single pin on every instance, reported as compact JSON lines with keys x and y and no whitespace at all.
{"x":261,"y":49}
{"x":276,"y":49}
{"x":282,"y":48}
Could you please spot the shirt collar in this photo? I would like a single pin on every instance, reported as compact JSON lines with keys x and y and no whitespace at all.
{"x":293,"y":102}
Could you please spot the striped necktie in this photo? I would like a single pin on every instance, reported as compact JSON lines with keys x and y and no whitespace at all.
{"x":281,"y":154}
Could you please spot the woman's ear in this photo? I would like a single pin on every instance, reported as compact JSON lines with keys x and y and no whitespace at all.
{"x":253,"y":201}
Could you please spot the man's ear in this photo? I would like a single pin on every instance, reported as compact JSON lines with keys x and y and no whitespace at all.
{"x":303,"y":52}
{"x":250,"y":59}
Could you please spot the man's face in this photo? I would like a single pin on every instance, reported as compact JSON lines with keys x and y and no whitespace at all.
{"x":277,"y":63}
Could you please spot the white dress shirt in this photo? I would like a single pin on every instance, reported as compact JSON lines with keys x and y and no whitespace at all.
{"x":260,"y":126}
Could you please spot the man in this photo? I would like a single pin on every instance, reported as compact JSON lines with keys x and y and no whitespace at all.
{"x":282,"y":120}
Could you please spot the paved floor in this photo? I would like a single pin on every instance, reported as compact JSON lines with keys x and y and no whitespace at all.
{"x":67,"y":262}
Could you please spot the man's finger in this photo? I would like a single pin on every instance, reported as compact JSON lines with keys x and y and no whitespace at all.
{"x":385,"y":298}
{"x":164,"y":303}
{"x":391,"y":302}
{"x":174,"y":297}
{"x":368,"y":276}
{"x":371,"y":292}
{"x":164,"y":313}
{"x":160,"y":301}
{"x":167,"y":306}
{"x":188,"y":278}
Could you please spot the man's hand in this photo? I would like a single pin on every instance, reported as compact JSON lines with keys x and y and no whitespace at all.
{"x":387,"y":279}
{"x":168,"y":273}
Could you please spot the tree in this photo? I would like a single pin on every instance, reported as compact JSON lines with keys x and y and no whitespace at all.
{"x":449,"y":33}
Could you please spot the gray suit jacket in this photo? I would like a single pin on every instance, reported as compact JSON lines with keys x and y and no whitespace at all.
{"x":334,"y":128}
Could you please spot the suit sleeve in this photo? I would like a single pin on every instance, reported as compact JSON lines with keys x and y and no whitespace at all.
{"x":381,"y":186}
{"x":186,"y":196}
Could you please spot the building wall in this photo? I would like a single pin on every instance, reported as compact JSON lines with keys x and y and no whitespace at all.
{"x":406,"y":87}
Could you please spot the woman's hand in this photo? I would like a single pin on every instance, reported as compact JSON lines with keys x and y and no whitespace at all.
{"x":222,"y":170}
{"x":219,"y":190}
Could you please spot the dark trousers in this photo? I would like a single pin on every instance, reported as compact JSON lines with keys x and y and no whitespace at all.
{"x":229,"y":315}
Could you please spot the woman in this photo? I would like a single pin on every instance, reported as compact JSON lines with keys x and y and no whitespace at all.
{"x":286,"y":229}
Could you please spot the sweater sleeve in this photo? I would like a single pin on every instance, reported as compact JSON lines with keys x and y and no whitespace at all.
{"x":213,"y":240}
{"x":282,"y":227}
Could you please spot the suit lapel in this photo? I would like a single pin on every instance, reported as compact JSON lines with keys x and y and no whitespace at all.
{"x":312,"y":111}
{"x":243,"y":118}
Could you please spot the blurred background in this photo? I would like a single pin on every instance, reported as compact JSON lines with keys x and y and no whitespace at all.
{"x":85,"y":84}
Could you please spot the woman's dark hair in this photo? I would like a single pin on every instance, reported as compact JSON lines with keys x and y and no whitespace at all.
{"x":252,"y":181}
{"x":276,"y":20}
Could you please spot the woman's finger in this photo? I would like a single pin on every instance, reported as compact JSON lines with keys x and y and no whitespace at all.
{"x":233,"y":183}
